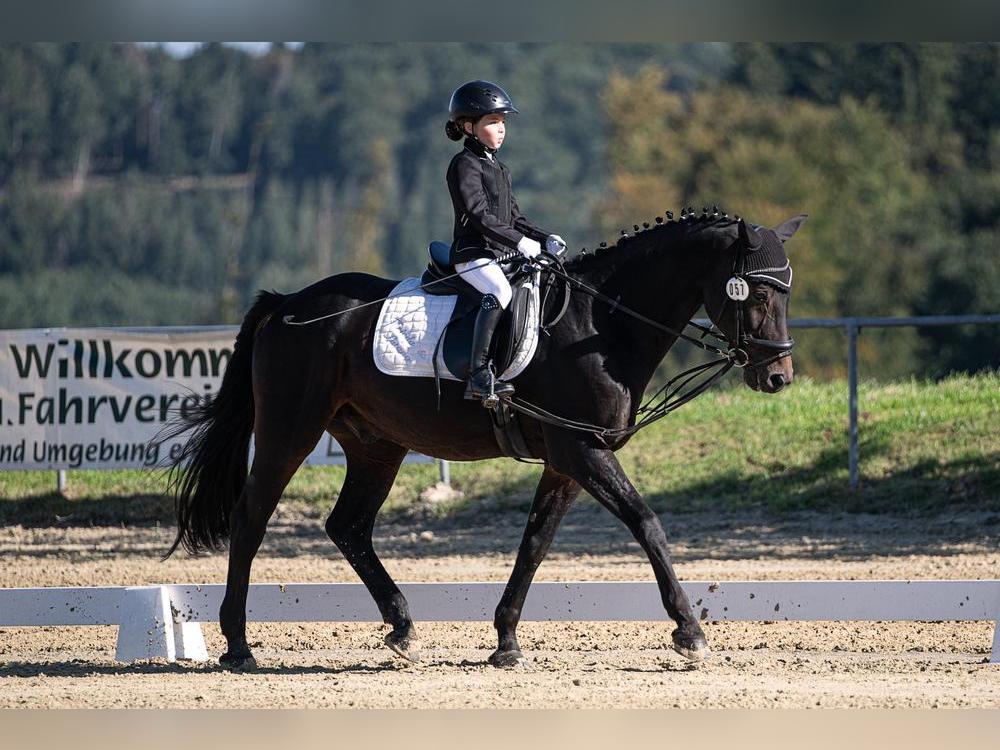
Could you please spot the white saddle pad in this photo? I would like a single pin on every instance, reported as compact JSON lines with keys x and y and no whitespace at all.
{"x":410,"y":324}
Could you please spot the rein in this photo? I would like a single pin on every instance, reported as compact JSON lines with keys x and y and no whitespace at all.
{"x":671,"y":395}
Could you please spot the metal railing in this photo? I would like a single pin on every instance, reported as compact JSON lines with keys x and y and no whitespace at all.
{"x":853,"y":327}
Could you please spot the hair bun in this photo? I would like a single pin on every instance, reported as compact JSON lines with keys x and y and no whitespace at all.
{"x":452,"y":130}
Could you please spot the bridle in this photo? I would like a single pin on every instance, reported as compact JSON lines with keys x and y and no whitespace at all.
{"x":737,"y":290}
{"x":672,"y":395}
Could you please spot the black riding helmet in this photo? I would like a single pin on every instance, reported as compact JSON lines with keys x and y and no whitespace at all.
{"x":473,"y":100}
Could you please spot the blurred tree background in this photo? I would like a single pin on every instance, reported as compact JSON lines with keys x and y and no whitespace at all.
{"x":141,"y":188}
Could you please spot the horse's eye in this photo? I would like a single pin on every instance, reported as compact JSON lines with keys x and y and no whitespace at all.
{"x":760,"y":296}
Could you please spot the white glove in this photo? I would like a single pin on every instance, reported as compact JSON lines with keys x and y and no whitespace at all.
{"x":528,"y":247}
{"x":555,"y":244}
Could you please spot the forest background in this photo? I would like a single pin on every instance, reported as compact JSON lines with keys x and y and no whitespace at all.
{"x":138,"y":187}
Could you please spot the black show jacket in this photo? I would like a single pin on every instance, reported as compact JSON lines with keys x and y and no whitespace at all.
{"x":488,"y":222}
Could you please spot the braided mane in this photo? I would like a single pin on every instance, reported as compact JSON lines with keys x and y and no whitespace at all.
{"x":649,"y":236}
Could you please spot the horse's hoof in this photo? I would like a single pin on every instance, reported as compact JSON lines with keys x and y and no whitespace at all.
{"x":693,"y":648}
{"x":238,"y":663}
{"x":407,"y":646}
{"x":507,"y":659}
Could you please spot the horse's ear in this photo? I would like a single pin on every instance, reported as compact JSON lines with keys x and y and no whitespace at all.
{"x":749,"y":237}
{"x":790,"y":227}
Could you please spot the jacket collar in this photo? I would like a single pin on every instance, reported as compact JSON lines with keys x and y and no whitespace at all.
{"x":478,"y":147}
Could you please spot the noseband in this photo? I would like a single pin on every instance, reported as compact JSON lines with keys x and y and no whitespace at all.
{"x":742,"y":343}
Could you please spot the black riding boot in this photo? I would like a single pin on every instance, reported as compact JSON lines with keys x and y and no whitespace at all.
{"x":482,"y":383}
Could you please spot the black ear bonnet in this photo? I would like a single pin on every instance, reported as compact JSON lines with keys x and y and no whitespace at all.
{"x":768,"y":263}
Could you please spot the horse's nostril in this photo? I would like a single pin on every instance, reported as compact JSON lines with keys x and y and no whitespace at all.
{"x":776,"y":381}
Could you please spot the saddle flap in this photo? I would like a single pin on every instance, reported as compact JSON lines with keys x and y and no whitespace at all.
{"x":411,"y":322}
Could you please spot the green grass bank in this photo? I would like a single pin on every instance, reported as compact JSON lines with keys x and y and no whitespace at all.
{"x":926,"y":447}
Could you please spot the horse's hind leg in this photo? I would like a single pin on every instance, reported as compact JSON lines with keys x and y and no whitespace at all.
{"x":274,"y":464}
{"x":371,"y":470}
{"x":553,"y":497}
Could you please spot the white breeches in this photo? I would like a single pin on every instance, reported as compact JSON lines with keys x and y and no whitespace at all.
{"x":487,"y":277}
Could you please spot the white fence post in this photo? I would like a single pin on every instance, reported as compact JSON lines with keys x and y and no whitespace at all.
{"x":189,"y":643}
{"x":150,"y":628}
{"x":146,"y":630}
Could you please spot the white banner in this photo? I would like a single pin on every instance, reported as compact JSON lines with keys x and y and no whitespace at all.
{"x":92,"y":398}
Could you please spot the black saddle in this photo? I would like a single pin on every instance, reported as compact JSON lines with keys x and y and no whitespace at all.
{"x":456,"y":340}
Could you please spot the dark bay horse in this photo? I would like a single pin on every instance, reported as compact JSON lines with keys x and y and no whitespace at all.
{"x":286,"y":385}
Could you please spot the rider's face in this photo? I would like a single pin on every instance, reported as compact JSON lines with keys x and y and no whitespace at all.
{"x":490,"y":129}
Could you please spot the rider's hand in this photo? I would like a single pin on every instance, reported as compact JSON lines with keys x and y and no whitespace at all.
{"x":555,"y":244}
{"x":528,"y":247}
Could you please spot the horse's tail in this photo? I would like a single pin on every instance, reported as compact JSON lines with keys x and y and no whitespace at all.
{"x":216,"y":454}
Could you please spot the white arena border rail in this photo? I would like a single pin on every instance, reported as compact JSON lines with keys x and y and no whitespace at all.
{"x":163,"y":621}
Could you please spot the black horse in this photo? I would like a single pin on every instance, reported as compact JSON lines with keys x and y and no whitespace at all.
{"x":286,"y":385}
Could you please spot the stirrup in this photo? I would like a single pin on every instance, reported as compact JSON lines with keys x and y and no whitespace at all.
{"x":493,"y":391}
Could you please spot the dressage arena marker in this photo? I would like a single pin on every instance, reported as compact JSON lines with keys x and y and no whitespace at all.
{"x":163,"y":621}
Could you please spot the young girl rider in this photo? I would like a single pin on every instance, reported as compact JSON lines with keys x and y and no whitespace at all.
{"x":488,"y":222}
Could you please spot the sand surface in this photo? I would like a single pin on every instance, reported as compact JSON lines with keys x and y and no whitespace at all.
{"x":572,"y":664}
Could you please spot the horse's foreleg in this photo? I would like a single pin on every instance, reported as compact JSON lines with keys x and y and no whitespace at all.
{"x":371,"y":470}
{"x":553,"y":497}
{"x":599,"y":472}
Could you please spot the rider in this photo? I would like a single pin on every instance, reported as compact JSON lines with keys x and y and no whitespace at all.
{"x":488,"y":222}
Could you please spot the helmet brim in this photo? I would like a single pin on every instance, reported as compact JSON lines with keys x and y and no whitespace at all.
{"x":477,"y":115}
{"x":500,"y":111}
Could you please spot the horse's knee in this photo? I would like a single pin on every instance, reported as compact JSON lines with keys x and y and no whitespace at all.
{"x":647,"y":520}
{"x":643,"y":520}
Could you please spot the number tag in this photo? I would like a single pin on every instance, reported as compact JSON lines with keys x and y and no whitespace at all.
{"x":737,"y":288}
